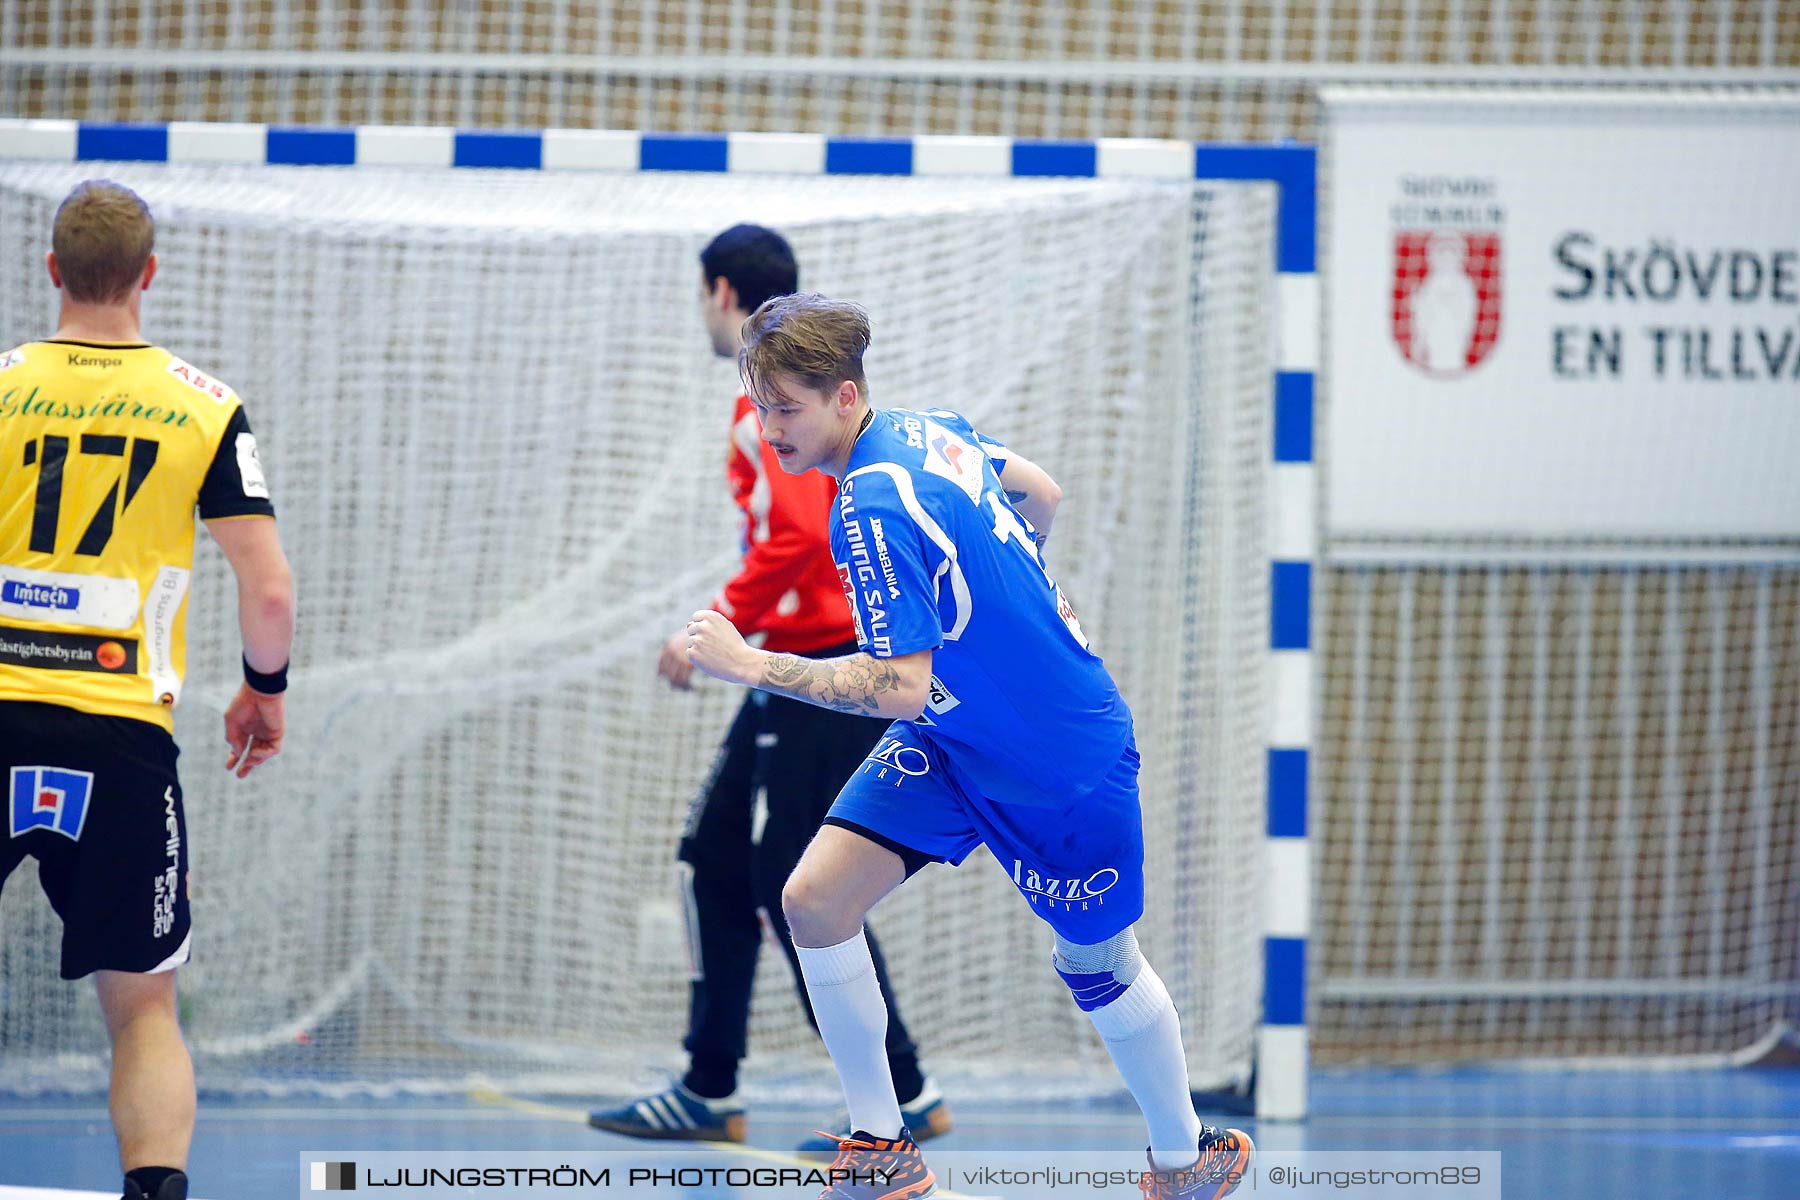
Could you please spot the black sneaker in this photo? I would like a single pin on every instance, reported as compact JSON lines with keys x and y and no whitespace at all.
{"x":174,"y":1187}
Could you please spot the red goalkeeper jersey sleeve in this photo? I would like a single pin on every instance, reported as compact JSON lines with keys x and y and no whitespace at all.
{"x":787,"y":587}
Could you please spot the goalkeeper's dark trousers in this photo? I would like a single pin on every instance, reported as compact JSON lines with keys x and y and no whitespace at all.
{"x":774,"y":779}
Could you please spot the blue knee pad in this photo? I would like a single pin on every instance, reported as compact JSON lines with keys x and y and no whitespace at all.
{"x":1099,"y":974}
{"x":1093,"y":989}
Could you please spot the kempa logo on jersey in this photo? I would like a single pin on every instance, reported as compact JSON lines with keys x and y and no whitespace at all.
{"x":37,"y":595}
{"x":78,"y":359}
{"x":1066,"y":892}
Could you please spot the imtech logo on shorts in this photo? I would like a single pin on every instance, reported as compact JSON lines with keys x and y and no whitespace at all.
{"x":334,"y":1177}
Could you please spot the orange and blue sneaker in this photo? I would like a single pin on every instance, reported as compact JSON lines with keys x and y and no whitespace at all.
{"x":874,"y":1168}
{"x":1225,"y":1156}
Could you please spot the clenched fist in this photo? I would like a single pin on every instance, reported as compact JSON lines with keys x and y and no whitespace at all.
{"x":716,"y":647}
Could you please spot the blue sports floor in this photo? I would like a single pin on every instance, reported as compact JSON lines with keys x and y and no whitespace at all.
{"x":1590,"y":1136}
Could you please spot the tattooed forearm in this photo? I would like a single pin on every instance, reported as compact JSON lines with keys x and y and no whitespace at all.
{"x":855,"y":683}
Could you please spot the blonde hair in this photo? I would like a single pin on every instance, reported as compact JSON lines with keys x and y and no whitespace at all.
{"x":103,"y":236}
{"x":813,"y":338}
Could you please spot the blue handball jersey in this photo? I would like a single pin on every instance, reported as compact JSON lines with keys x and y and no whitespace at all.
{"x":934,"y":557}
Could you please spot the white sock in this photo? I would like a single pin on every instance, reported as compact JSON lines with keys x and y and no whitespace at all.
{"x":1142,"y":1032}
{"x":840,"y":982}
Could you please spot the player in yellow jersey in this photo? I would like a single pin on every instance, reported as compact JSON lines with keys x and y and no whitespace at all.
{"x":108,"y":446}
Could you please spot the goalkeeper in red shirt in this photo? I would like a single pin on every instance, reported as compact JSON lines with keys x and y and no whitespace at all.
{"x":781,"y":764}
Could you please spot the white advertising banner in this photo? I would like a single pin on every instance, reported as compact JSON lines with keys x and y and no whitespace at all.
{"x":1563,"y":316}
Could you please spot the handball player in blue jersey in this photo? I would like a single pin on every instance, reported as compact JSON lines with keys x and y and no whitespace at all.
{"x":1007,"y":730}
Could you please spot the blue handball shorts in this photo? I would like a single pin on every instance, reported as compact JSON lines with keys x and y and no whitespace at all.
{"x":1081,"y":867}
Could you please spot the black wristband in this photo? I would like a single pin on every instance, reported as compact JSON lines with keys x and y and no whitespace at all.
{"x":271,"y":684}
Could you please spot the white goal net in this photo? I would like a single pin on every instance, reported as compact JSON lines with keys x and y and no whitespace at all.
{"x":494,"y":434}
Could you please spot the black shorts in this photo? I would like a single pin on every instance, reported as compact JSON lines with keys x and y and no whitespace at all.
{"x":95,"y":800}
